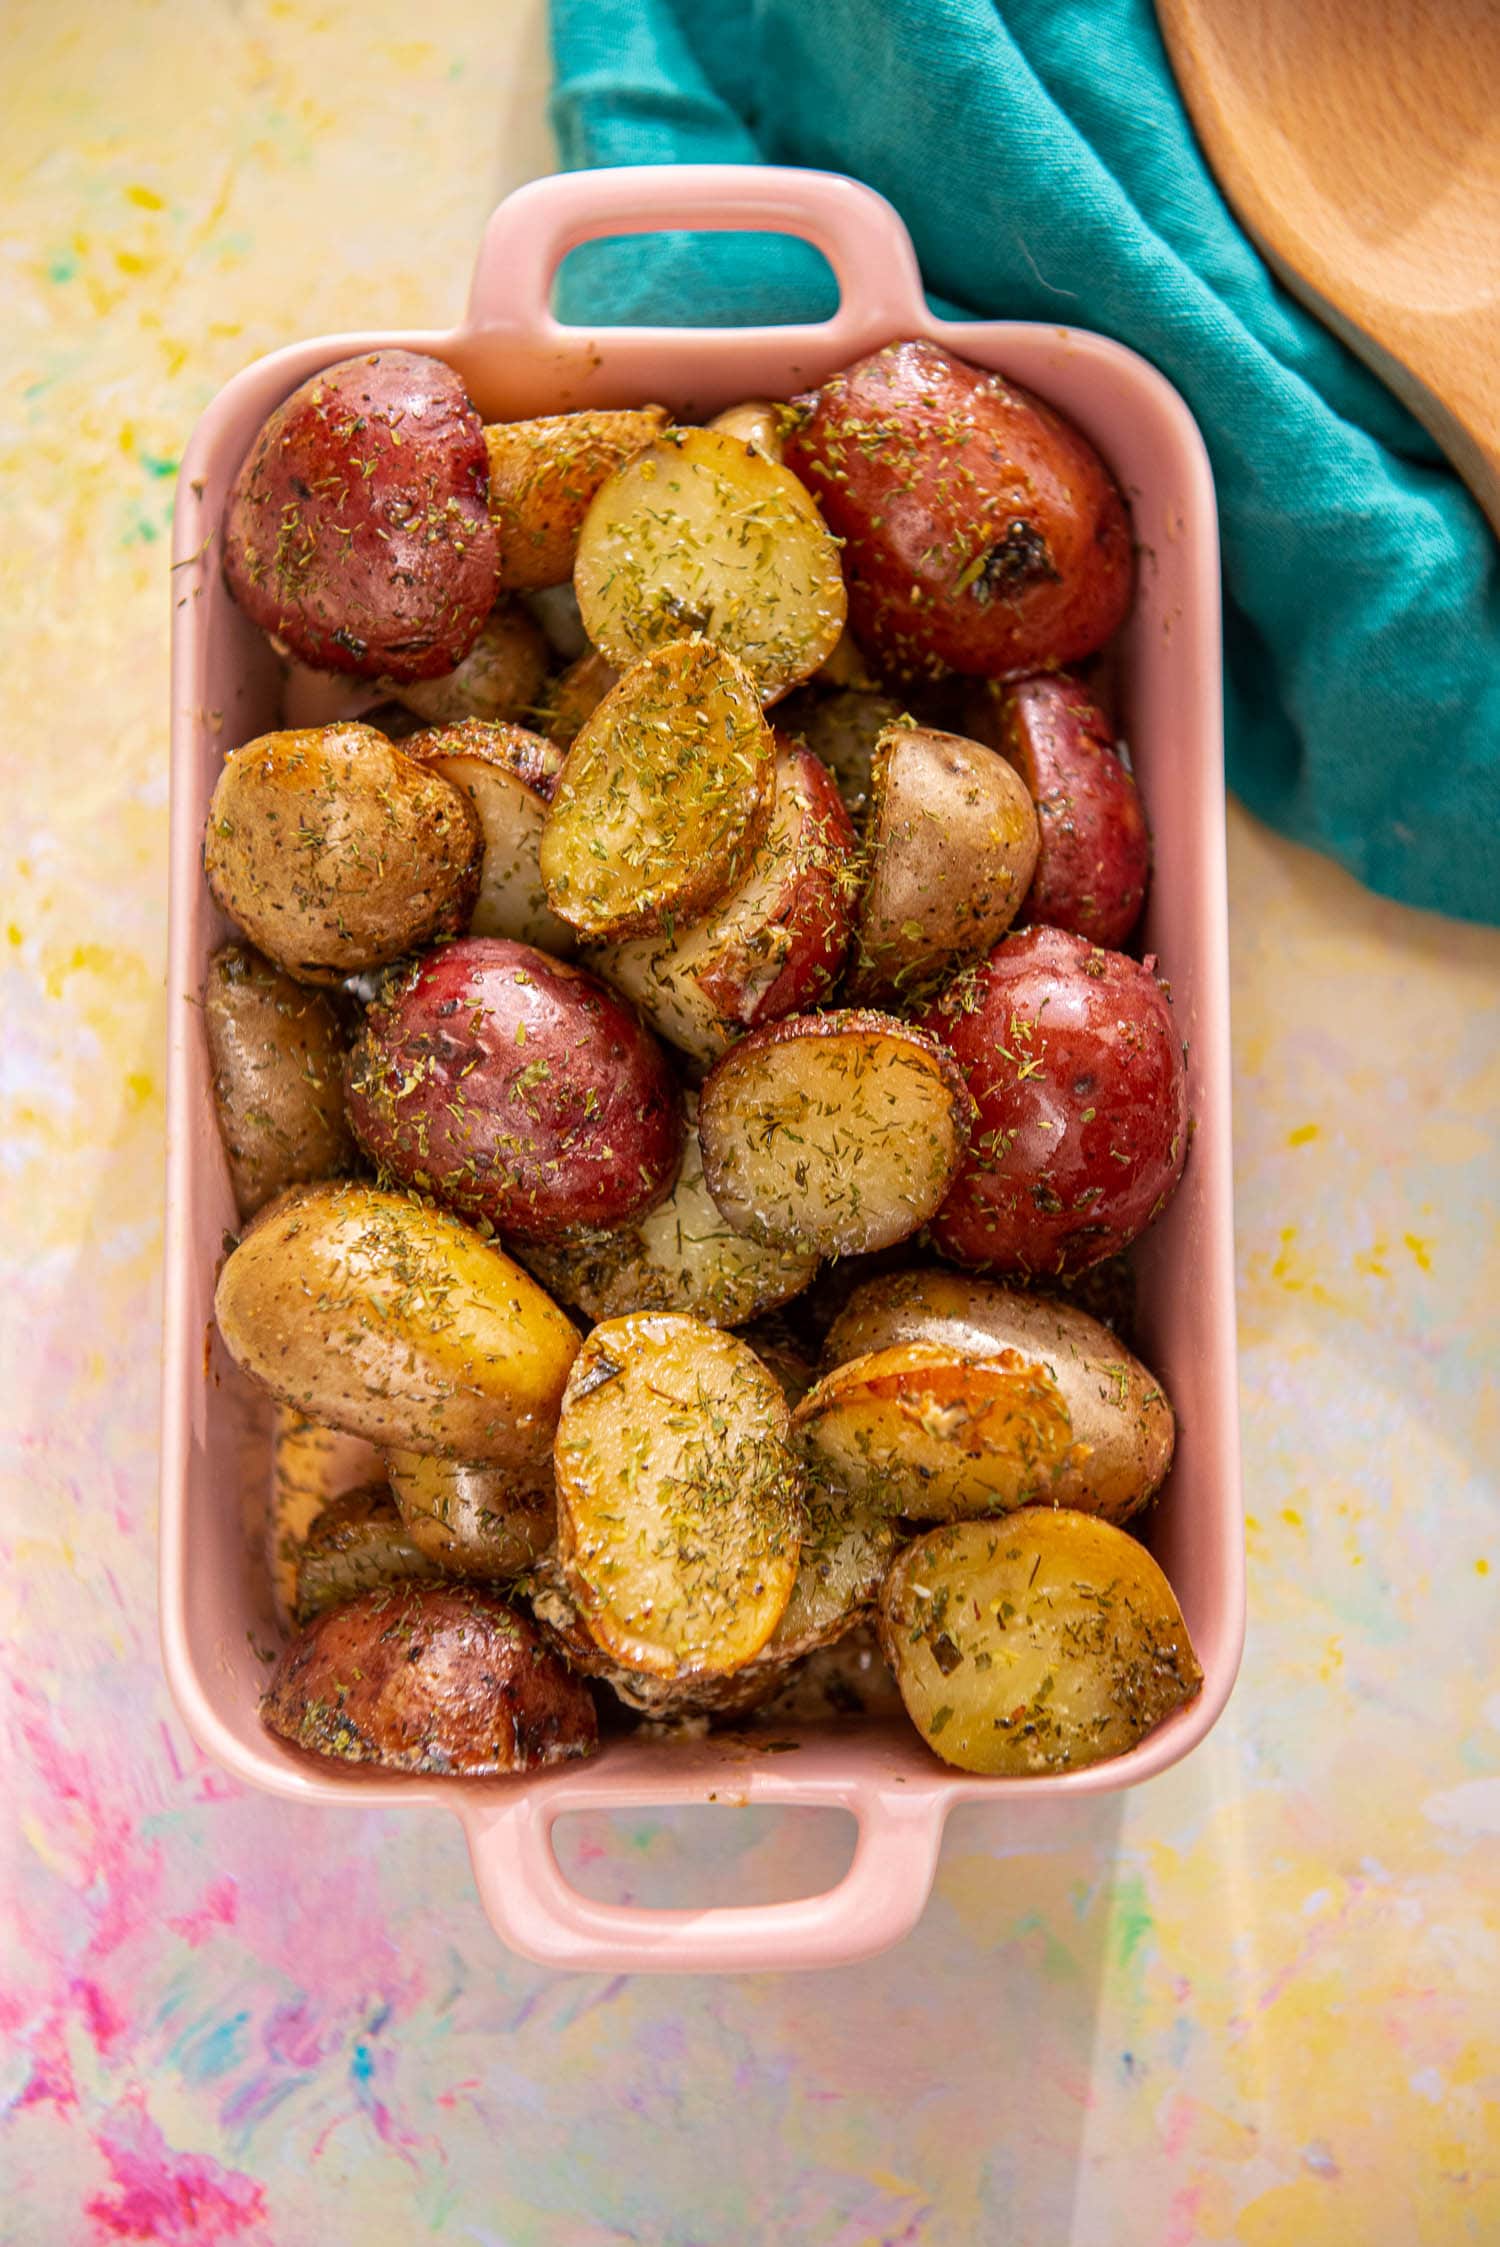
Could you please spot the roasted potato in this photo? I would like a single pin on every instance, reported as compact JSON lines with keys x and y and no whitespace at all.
{"x":500,"y":679}
{"x":1123,"y":1428}
{"x":846,"y":1549}
{"x":832,"y":1133}
{"x":376,"y":1314}
{"x":515,"y":1088}
{"x":443,"y":1679}
{"x":544,"y":473}
{"x":950,"y":840}
{"x":310,"y":1466}
{"x":982,"y":532}
{"x":574,"y":696}
{"x":850,"y":1677}
{"x":679,"y":1501}
{"x":774,"y":945}
{"x":928,"y":1433}
{"x":473,"y":1518}
{"x":508,"y":776}
{"x":700,"y":532}
{"x":356,"y":1544}
{"x":554,"y":608}
{"x":1043,"y":1642}
{"x":663,"y":798}
{"x":1072,"y":1059}
{"x":334,"y":851}
{"x":681,"y":1256}
{"x":842,"y":729}
{"x":278,"y":1064}
{"x":756,"y":422}
{"x":358,"y":529}
{"x":665,"y":1700}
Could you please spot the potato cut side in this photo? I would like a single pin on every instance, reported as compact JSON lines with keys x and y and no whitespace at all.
{"x":310,"y":1466}
{"x":1043,"y":1642}
{"x":679,"y":1498}
{"x":544,"y":473}
{"x":1123,"y":1426}
{"x":665,"y":1700}
{"x":664,"y":796}
{"x":846,"y":1549}
{"x":356,"y":1544}
{"x":702,"y":533}
{"x":837,"y":1132}
{"x":470,"y":1517}
{"x":509,"y":776}
{"x":951,"y":838}
{"x":925,"y":1432}
{"x":501,"y":677}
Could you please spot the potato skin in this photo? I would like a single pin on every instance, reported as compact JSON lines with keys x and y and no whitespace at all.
{"x":378,"y":1315}
{"x":508,"y":776}
{"x":446,"y":1680}
{"x":356,"y":1544}
{"x":470,"y":1518}
{"x":544,"y":473}
{"x":1095,"y":852}
{"x":334,"y":851}
{"x":515,"y":1088}
{"x":501,"y":677}
{"x":1120,"y":1413}
{"x":278,"y":1064}
{"x":1072,"y":1058}
{"x":842,"y":728}
{"x":358,"y":528}
{"x":982,"y":532}
{"x":574,"y":696}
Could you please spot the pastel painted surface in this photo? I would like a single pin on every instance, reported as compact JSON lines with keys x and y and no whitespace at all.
{"x":1246,"y":2004}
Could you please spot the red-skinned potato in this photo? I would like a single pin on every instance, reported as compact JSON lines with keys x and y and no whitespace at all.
{"x":1095,"y":852}
{"x":358,"y":528}
{"x":1074,"y":1063}
{"x":982,"y":532}
{"x":514,"y":1088}
{"x":773,"y":946}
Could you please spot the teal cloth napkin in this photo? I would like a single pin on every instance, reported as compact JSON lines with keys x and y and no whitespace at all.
{"x":1040,"y":156}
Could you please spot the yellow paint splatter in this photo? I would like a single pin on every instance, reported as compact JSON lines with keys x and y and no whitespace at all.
{"x":1481,"y":1567}
{"x":1303,"y":1135}
{"x":140,"y":1086}
{"x":1333,"y":1659}
{"x":144,"y":198}
{"x":1291,"y":1517}
{"x":1421,"y":1250}
{"x":14,"y":933}
{"x":1371,"y":1260}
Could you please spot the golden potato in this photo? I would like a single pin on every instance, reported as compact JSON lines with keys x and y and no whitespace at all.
{"x":574,"y":696}
{"x":508,"y":776}
{"x":843,"y":729}
{"x":356,"y":1544}
{"x":334,"y":851}
{"x":379,"y":1315}
{"x":310,"y":1466}
{"x":755,"y":422}
{"x":501,"y":677}
{"x":543,"y":475}
{"x":1123,"y":1428}
{"x":474,"y":1518}
{"x":1042,"y":1642}
{"x":277,"y":1058}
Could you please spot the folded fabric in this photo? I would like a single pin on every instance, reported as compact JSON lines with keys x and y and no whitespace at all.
{"x":1041,"y":157}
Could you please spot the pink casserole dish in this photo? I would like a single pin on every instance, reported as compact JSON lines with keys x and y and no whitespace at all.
{"x":516,"y":360}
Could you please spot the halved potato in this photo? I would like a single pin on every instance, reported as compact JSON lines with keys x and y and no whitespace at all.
{"x":310,"y":1466}
{"x":377,"y":1314}
{"x":700,"y":532}
{"x":681,"y":1256}
{"x":679,"y":1501}
{"x":543,"y":475}
{"x":443,"y":1679}
{"x":356,"y":1544}
{"x":278,"y":1061}
{"x":951,"y":838}
{"x":471,"y":1517}
{"x":1042,"y":1642}
{"x":925,"y":1432}
{"x":846,"y":1549}
{"x":574,"y":696}
{"x":774,"y":945}
{"x":509,"y":776}
{"x":666,"y":1700}
{"x":757,"y":422}
{"x":663,"y":798}
{"x":843,"y":729}
{"x":836,"y":1133}
{"x":1123,"y":1426}
{"x":501,"y":677}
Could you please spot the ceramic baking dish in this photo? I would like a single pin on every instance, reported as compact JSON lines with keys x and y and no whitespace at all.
{"x":515,"y":359}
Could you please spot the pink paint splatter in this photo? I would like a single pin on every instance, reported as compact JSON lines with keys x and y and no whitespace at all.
{"x":101,"y":2017}
{"x":51,"y":2079}
{"x":219,"y":1908}
{"x":170,"y":2197}
{"x":1182,"y":2217}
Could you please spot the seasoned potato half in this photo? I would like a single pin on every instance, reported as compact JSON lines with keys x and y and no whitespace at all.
{"x":508,"y":776}
{"x":666,"y":1700}
{"x":543,"y":475}
{"x":1123,"y":1428}
{"x":356,"y":1544}
{"x":843,"y":729}
{"x":334,"y":851}
{"x":278,"y":1064}
{"x":846,"y":1549}
{"x":702,"y":533}
{"x":500,"y":678}
{"x":574,"y":696}
{"x":951,"y":838}
{"x":381,"y":1316}
{"x":443,"y":1679}
{"x":774,"y":945}
{"x":679,"y":1501}
{"x":473,"y":1518}
{"x":310,"y":1466}
{"x":681,"y":1256}
{"x":835,"y":1133}
{"x":925,"y":1432}
{"x":664,"y":796}
{"x":757,"y":422}
{"x":1042,"y":1642}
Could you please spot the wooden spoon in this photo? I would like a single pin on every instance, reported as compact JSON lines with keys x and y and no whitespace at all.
{"x":1359,"y":143}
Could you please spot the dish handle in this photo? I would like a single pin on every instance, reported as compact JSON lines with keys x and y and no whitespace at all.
{"x":862,"y":237}
{"x":535,"y":1909}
